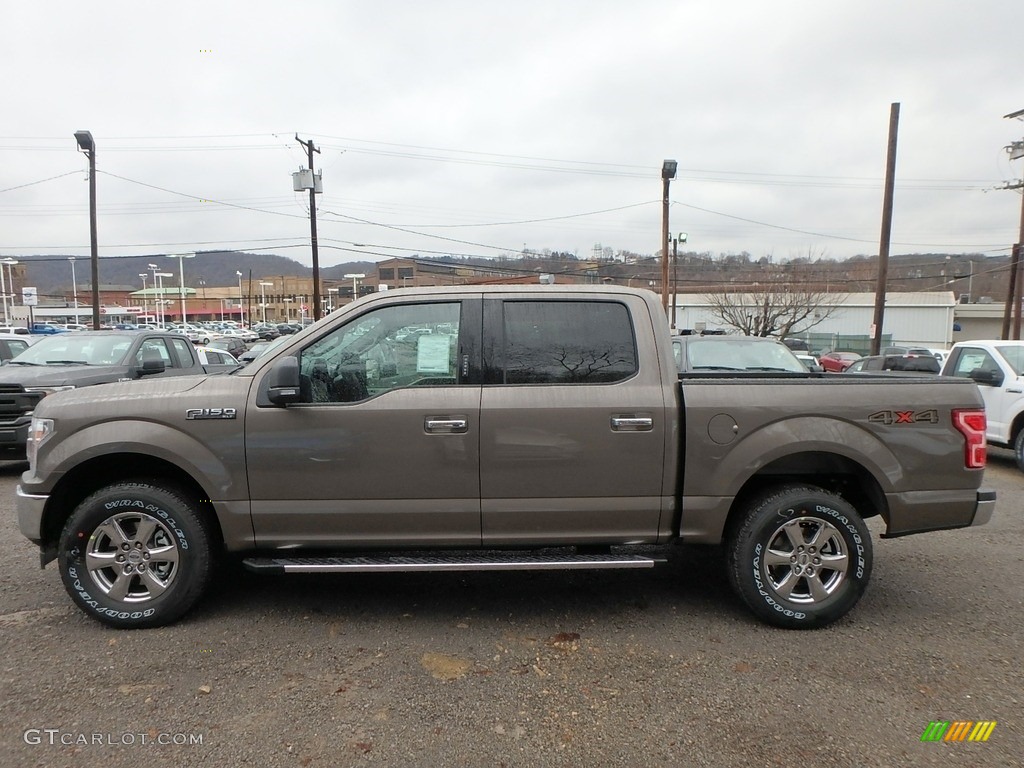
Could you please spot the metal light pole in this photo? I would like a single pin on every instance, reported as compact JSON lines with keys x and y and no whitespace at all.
{"x":181,"y":279}
{"x":3,"y":291}
{"x":668,"y":172}
{"x":156,"y":302}
{"x":681,"y":238}
{"x":160,"y":276}
{"x":10,"y":263}
{"x":355,"y":284}
{"x":145,"y":306}
{"x":241,"y":302}
{"x":87,"y":145}
{"x":74,"y":285}
{"x":263,"y":302}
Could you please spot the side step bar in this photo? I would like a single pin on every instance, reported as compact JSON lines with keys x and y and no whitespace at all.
{"x":491,"y":562}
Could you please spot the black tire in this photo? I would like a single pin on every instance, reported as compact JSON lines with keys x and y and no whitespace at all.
{"x":135,"y":555}
{"x":1018,"y":450}
{"x":780,"y":552}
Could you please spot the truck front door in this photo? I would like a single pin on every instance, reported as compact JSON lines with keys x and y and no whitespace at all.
{"x":384,"y":449}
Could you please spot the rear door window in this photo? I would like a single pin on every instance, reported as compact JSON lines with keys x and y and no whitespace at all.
{"x":566,"y":342}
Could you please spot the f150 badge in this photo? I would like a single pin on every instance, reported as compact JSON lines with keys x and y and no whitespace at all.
{"x":195,"y":414}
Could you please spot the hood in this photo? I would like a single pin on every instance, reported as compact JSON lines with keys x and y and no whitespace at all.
{"x":61,"y":375}
{"x":117,"y":394}
{"x":139,"y":396}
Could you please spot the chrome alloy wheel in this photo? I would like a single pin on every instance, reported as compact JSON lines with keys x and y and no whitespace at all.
{"x":806,"y":560}
{"x":132,"y":557}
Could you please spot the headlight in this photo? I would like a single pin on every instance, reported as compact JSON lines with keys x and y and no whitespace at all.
{"x":38,"y":431}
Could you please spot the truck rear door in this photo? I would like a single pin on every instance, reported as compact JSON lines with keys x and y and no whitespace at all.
{"x":573,"y":422}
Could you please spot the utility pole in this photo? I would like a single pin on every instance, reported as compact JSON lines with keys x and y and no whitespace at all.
{"x":886,"y":234}
{"x":1013,"y":295}
{"x":310,"y":149}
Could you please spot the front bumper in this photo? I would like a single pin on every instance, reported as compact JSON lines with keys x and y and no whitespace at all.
{"x":31,"y":507}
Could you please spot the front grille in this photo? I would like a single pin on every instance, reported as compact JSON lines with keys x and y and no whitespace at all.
{"x":16,"y":403}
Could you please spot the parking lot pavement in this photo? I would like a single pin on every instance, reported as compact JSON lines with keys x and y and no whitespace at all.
{"x":603,"y":668}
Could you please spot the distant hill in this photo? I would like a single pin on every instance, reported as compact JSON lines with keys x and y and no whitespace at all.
{"x":52,"y":274}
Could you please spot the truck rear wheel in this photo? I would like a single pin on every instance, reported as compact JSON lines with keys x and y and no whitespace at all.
{"x":800,"y":558}
{"x":135,"y":555}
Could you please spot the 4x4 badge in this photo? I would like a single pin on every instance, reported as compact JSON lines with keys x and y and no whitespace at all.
{"x":905,"y":417}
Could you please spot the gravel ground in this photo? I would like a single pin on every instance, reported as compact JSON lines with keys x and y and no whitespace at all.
{"x":629,"y":668}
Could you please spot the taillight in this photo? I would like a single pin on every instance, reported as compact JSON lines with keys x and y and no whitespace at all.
{"x":972,"y":425}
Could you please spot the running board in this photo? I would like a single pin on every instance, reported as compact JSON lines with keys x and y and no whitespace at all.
{"x":491,"y":562}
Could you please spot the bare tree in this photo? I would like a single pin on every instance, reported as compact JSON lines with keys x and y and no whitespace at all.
{"x":776,"y":308}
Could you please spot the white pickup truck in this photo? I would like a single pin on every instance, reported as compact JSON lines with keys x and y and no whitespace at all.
{"x":998,"y":369}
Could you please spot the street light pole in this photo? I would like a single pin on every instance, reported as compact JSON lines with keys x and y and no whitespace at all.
{"x":145,"y":306}
{"x":241,"y":301}
{"x":3,"y":290}
{"x":87,"y":145}
{"x":156,"y":302}
{"x":668,"y":172}
{"x":181,"y":279}
{"x":74,"y":285}
{"x":263,"y":302}
{"x":160,"y":276}
{"x":355,"y":284}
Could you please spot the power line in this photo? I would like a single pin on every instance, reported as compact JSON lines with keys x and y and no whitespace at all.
{"x":41,"y":181}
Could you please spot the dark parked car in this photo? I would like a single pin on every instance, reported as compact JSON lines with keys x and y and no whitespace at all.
{"x":266,"y":332}
{"x":837,"y":362}
{"x":797,"y":345}
{"x":260,"y":348}
{"x":895,"y":364}
{"x":285,"y":329}
{"x":230,"y":344}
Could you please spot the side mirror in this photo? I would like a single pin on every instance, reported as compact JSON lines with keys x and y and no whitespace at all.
{"x":986,"y":377}
{"x":151,"y":366}
{"x":283,"y":384}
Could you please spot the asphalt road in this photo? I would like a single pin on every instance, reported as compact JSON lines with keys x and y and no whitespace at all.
{"x":631,"y":668}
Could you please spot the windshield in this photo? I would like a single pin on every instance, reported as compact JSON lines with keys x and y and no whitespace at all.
{"x":732,"y":354}
{"x":76,"y":349}
{"x":1014,"y":357}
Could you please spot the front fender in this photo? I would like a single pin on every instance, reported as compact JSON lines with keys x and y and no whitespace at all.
{"x":216,"y":465}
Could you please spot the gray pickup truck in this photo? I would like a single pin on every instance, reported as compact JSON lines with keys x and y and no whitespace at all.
{"x":517,"y":428}
{"x":76,"y":359}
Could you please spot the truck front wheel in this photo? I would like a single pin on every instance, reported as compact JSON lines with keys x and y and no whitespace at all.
{"x":800,"y":557}
{"x":135,"y":555}
{"x":1018,"y":450}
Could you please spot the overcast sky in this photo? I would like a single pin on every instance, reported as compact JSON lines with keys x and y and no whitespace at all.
{"x":479,"y":128}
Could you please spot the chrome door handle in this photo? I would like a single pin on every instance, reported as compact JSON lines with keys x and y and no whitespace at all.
{"x":632,"y":423}
{"x":446,"y":426}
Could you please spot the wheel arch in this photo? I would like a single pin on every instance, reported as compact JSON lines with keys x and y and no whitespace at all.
{"x":1016,"y":426}
{"x":831,"y":472}
{"x":84,"y":479}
